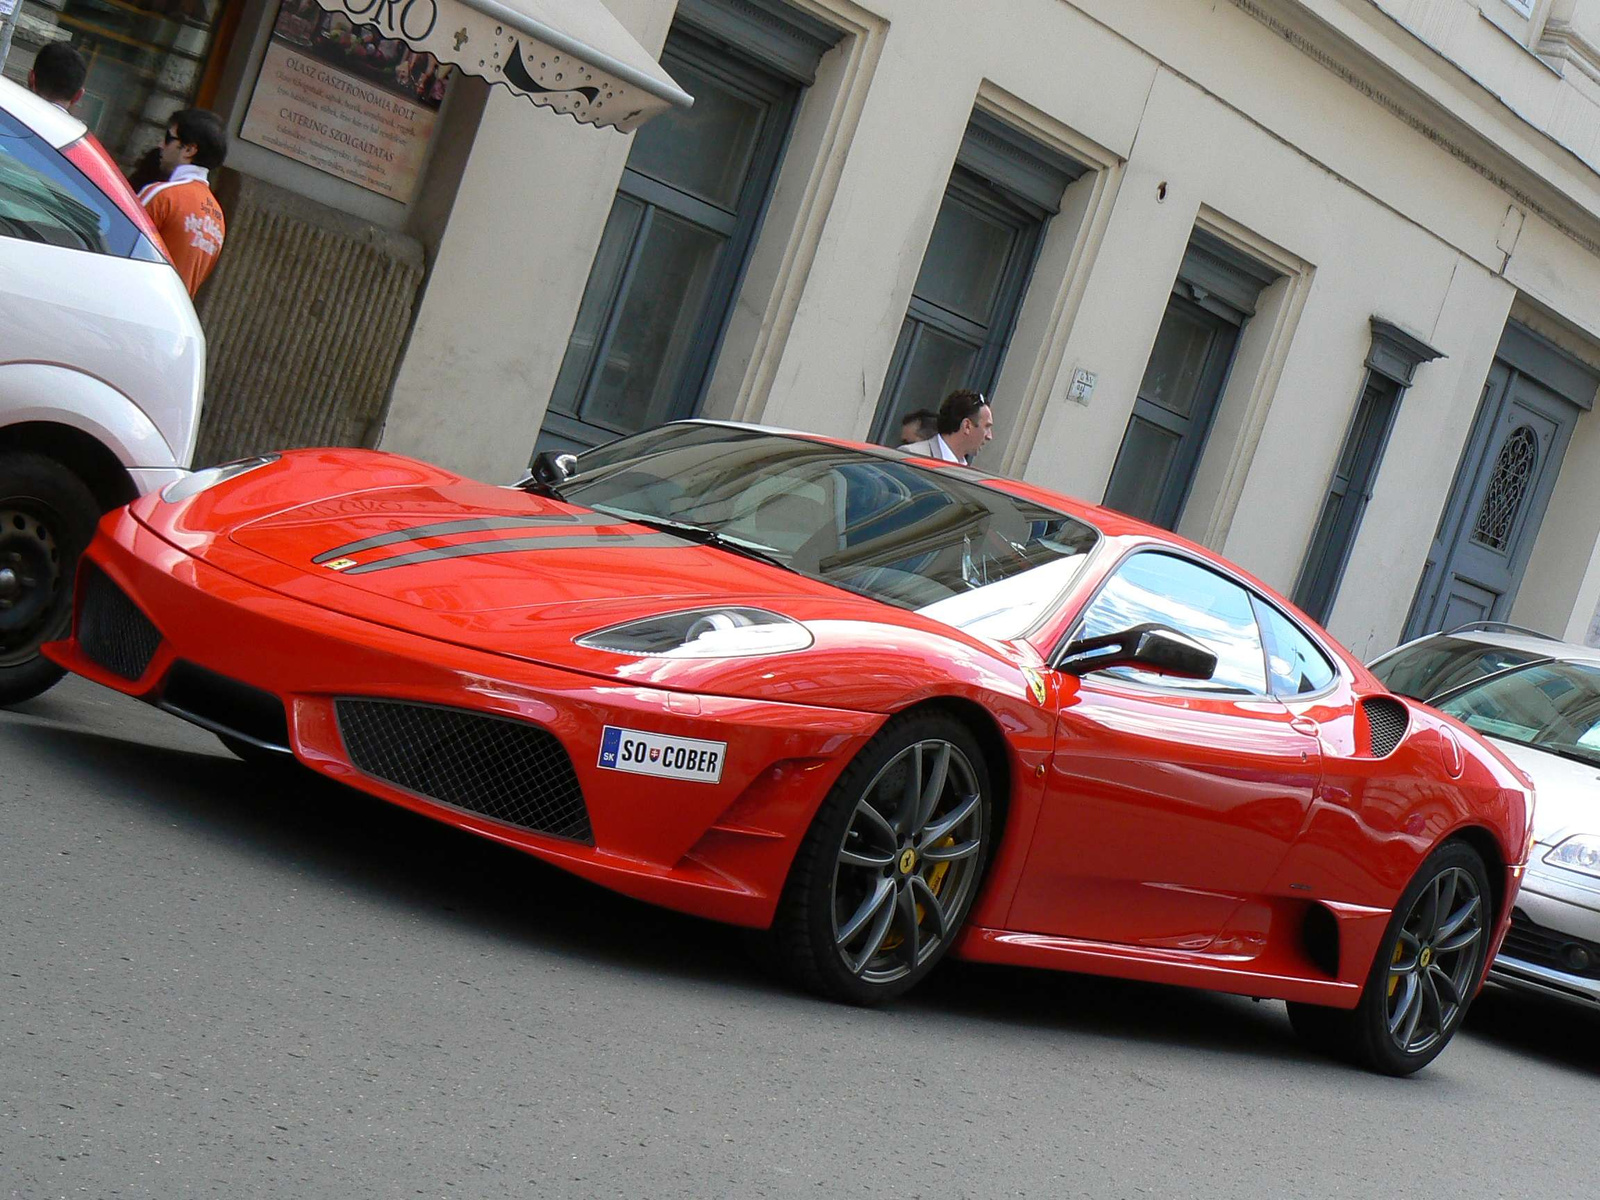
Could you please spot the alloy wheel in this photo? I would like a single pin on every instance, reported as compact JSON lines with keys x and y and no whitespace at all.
{"x":1435,"y":961}
{"x":910,"y":858}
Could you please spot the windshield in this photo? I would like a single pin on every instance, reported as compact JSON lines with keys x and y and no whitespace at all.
{"x":877,"y":525}
{"x":1437,"y":664}
{"x":1552,"y":706}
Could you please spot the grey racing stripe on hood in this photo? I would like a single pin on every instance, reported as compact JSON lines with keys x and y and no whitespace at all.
{"x":644,"y":541}
{"x":465,"y":525}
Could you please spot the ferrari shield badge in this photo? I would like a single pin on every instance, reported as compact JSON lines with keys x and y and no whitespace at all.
{"x":1035,"y":684}
{"x":340,"y":564}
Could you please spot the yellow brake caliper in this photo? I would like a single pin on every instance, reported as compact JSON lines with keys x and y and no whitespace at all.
{"x":935,"y":882}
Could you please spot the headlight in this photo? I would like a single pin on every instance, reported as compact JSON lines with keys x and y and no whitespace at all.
{"x":1578,"y":853}
{"x":703,"y":633}
{"x":192,"y":485}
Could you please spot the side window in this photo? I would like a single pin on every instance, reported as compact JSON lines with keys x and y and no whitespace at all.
{"x":1192,"y":599}
{"x":1294,"y":663}
{"x":44,"y":198}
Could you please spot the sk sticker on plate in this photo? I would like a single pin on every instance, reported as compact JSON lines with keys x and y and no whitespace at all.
{"x":642,"y":753}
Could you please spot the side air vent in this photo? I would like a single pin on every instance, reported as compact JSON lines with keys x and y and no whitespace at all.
{"x":1386,"y":724}
{"x":111,"y":629}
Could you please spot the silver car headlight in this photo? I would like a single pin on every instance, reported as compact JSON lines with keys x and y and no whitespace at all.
{"x":1581,"y":853}
{"x":193,"y":484}
{"x":727,"y":632}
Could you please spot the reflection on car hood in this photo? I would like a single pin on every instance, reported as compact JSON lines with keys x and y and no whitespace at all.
{"x":1568,"y":792}
{"x":502,"y":571}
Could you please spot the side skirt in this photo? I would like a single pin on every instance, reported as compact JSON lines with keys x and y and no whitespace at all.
{"x":1239,"y":974}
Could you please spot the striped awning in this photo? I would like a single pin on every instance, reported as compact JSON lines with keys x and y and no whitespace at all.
{"x":569,"y":55}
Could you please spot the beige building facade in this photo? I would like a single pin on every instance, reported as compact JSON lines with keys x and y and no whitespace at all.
{"x":1428,"y":164}
{"x":1314,"y":282}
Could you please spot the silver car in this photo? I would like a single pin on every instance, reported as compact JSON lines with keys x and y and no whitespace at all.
{"x":1538,"y":699}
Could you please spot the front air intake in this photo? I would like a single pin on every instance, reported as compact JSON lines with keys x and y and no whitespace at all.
{"x":111,"y":629}
{"x":509,"y":771}
{"x":1387,"y":720}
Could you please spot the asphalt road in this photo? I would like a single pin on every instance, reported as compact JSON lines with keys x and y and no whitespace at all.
{"x":219,"y":982}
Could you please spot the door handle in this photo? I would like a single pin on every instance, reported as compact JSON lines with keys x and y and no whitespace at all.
{"x":1304,"y":725}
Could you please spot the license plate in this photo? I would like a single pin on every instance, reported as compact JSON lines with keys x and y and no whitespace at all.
{"x":642,"y":753}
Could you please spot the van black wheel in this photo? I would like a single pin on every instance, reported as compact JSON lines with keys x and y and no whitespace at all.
{"x":891,"y":864}
{"x":47,"y":516}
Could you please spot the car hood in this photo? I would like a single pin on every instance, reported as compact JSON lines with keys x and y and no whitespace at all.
{"x":509,"y":573}
{"x":1568,"y":792}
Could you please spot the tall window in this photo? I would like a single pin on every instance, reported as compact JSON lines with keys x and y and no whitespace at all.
{"x":686,"y":213}
{"x":1002,"y":191}
{"x":147,"y":59}
{"x":1391,"y":363}
{"x":1214,"y":295}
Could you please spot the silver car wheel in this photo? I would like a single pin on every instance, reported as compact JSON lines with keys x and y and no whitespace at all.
{"x":910,"y":857}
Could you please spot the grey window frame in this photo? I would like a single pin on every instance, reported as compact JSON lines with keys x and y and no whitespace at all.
{"x":1218,"y":286}
{"x":1006,"y":177}
{"x":763,"y":49}
{"x":1391,"y":365}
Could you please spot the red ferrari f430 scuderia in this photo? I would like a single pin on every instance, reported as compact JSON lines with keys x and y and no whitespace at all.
{"x":885,"y":707}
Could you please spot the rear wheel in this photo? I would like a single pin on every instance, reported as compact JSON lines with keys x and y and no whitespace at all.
{"x":1425,"y":973}
{"x":47,"y":516}
{"x":891,"y":864}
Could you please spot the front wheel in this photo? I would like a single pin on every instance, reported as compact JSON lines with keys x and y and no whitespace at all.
{"x":1425,"y":973}
{"x":47,"y":516}
{"x":891,"y":864}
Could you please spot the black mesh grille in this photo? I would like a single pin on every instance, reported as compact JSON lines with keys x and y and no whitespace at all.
{"x":1387,"y":720}
{"x":1546,"y":948}
{"x":111,"y":629}
{"x":507,"y":770}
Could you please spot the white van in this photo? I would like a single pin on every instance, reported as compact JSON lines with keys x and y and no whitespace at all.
{"x":102,"y":362}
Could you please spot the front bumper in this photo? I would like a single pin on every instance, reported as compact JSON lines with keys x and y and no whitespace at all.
{"x":1557,"y":913}
{"x":720,"y":850}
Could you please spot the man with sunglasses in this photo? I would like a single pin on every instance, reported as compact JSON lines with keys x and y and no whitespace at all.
{"x":181,"y":205}
{"x":965,"y":424}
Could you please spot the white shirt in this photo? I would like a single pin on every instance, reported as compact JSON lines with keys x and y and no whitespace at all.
{"x":934,"y":447}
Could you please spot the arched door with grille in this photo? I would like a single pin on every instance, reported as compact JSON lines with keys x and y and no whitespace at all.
{"x":1502,"y":487}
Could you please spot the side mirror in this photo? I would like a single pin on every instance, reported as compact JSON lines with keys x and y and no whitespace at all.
{"x":551,"y":467}
{"x":1149,"y":647}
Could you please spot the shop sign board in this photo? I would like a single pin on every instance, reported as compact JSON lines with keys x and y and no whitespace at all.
{"x":345,"y":99}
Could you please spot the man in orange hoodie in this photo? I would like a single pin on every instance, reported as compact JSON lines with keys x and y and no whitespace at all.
{"x":182,"y":206}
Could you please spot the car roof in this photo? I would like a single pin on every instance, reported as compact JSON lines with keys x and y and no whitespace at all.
{"x":56,"y":126}
{"x":1504,"y":637}
{"x":1110,"y":523}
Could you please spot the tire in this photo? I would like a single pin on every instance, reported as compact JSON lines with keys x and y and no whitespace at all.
{"x":1424,"y":975}
{"x":883,"y":880}
{"x":47,"y":516}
